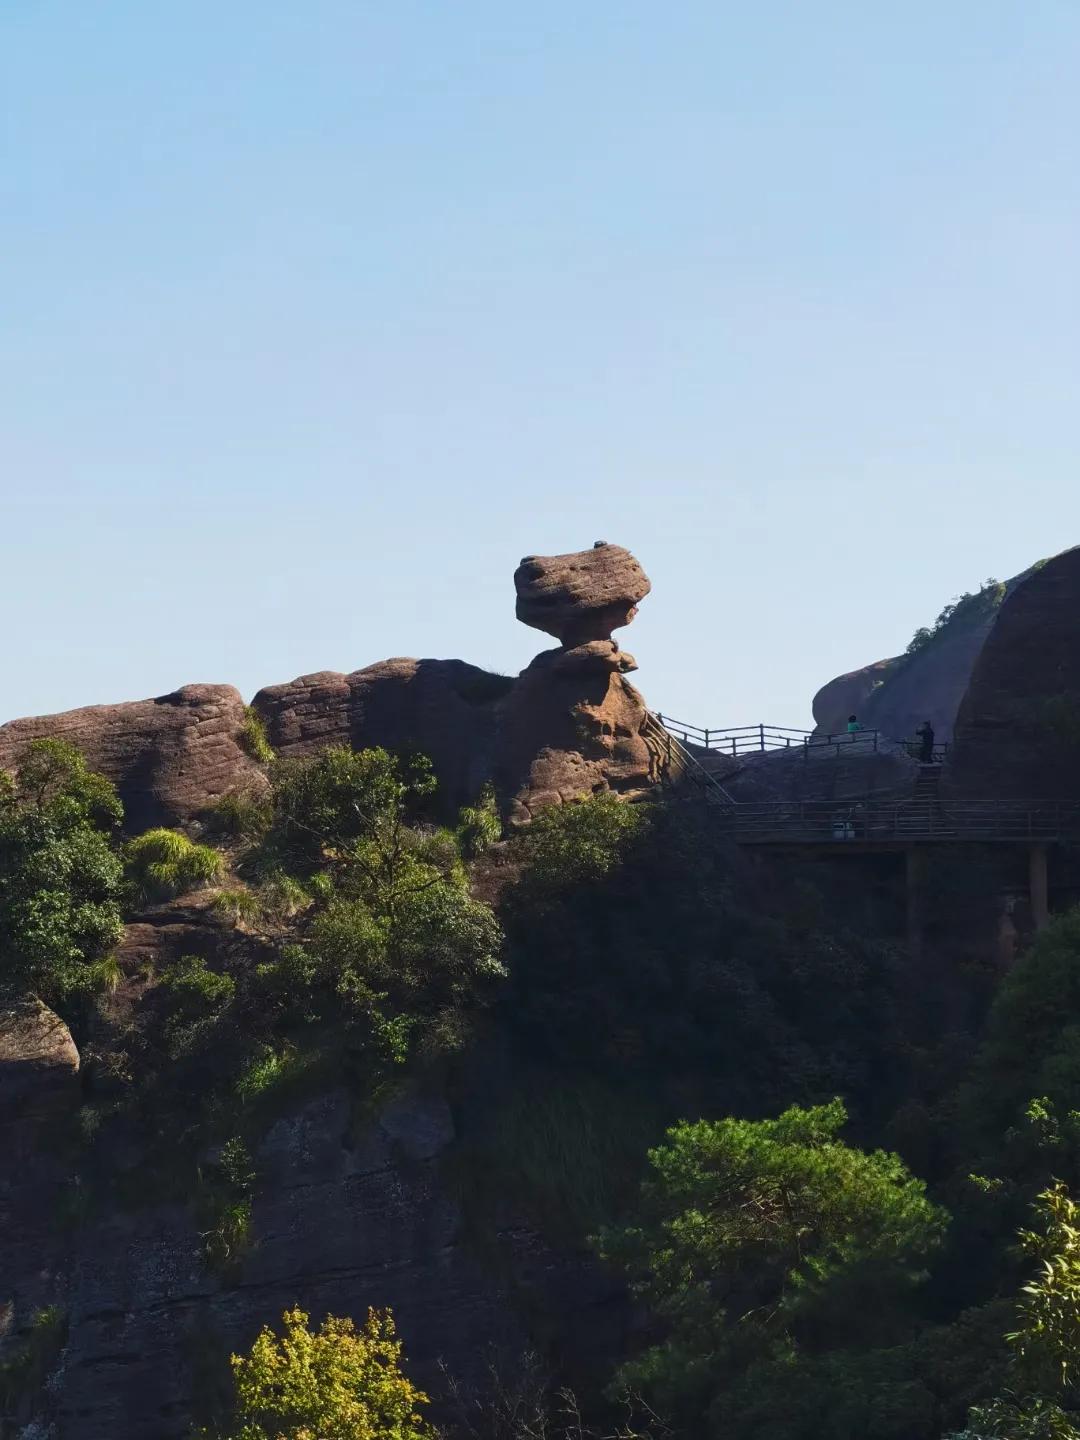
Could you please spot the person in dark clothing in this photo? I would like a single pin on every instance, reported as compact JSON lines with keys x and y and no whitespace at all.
{"x":925,"y":733}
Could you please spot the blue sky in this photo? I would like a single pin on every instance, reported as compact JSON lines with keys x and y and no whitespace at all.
{"x":315,"y":318}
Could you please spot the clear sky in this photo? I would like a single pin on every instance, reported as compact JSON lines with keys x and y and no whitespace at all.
{"x":316,"y":317}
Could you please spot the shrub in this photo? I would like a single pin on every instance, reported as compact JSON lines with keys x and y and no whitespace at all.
{"x":339,"y":1381}
{"x":60,"y":876}
{"x":228,"y":1186}
{"x":479,"y":826}
{"x":374,"y":906}
{"x":327,"y":806}
{"x":253,"y":737}
{"x":245,"y":814}
{"x":162,"y":863}
{"x":969,"y":608}
{"x":265,"y":1070}
{"x":574,"y":844}
{"x":196,"y":997}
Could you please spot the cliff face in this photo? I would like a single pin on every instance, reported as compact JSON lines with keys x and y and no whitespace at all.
{"x":895,"y":696}
{"x":1018,"y":728}
{"x":347,"y":1214}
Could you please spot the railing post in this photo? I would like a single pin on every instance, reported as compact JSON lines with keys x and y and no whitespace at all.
{"x":733,"y":744}
{"x":761,"y":731}
{"x":706,"y":737}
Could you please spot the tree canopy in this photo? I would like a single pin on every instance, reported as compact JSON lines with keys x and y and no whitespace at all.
{"x":61,"y":879}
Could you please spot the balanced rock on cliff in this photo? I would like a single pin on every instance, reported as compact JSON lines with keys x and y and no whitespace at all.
{"x":572,"y":725}
{"x":580,"y":597}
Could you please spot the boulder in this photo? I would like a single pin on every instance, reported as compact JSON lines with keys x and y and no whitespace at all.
{"x":580,"y":597}
{"x":170,"y":758}
{"x":39,"y":1062}
{"x":444,"y":709}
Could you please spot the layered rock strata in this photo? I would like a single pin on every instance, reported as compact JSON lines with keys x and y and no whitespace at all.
{"x":582,"y":596}
{"x":170,"y":758}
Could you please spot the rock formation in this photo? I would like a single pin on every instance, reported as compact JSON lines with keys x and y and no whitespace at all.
{"x":570,"y":725}
{"x":170,"y":758}
{"x":580,"y":597}
{"x":39,"y":1091}
{"x":895,"y":696}
{"x":444,"y":709}
{"x":1018,"y":727}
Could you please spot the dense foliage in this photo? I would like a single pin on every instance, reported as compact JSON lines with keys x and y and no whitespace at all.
{"x":339,"y":1382}
{"x":643,"y":948}
{"x":61,"y":879}
{"x":385,"y":924}
{"x":1040,"y":1399}
{"x":764,"y":1246}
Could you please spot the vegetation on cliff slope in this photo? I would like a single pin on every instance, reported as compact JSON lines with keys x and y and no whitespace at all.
{"x":339,"y":1382}
{"x":61,"y":880}
{"x":643,"y":1038}
{"x":970,"y":608}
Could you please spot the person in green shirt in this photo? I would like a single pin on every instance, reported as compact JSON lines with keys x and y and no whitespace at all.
{"x":853,"y":726}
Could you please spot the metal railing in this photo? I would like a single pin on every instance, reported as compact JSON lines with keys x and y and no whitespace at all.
{"x":737,"y":740}
{"x":677,"y":763}
{"x":754,"y":739}
{"x":819,"y":821}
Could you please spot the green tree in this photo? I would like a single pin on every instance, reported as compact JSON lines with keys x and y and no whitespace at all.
{"x":575,"y":844}
{"x":1041,"y":1398}
{"x":339,"y":1382}
{"x":392,"y":929}
{"x":759,"y":1245}
{"x":60,"y":876}
{"x":1032,"y":1044}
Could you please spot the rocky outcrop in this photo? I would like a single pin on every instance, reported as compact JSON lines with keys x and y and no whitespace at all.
{"x":568,"y":726}
{"x":849,"y":695}
{"x":39,"y":1091}
{"x":444,"y":709}
{"x":572,"y":726}
{"x":1018,"y":728}
{"x":170,"y":758}
{"x":580,"y":597}
{"x":895,"y":696}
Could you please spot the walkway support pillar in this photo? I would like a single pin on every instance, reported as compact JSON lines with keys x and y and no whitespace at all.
{"x":915,"y":874}
{"x":1040,"y":889}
